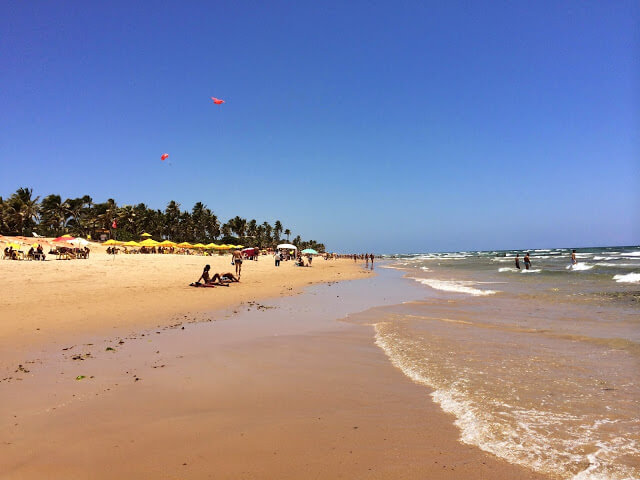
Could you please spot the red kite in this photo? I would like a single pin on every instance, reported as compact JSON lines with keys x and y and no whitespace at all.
{"x":164,"y":156}
{"x":217,"y":101}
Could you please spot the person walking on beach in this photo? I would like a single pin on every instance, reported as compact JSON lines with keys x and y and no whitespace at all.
{"x":366,"y":259}
{"x":527,"y":261}
{"x":518,"y":261}
{"x":574,"y":261}
{"x":237,"y":259}
{"x":277,"y":257}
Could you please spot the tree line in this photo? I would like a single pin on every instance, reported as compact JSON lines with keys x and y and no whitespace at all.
{"x":24,"y":214}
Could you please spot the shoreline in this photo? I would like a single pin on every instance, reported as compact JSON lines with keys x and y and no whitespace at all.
{"x":260,"y":388}
{"x":46,"y":301}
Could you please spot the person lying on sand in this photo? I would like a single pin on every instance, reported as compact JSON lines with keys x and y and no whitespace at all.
{"x":228,"y":277}
{"x":217,"y":279}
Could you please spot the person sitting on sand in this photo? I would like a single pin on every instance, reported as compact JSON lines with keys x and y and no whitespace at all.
{"x":205,"y":276}
{"x":217,"y":279}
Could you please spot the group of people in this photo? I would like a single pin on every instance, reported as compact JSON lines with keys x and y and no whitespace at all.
{"x":367,"y":257}
{"x":278,"y":256}
{"x":34,"y":253}
{"x":527,"y":260}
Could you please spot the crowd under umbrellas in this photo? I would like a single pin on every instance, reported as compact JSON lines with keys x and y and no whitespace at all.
{"x":65,"y":247}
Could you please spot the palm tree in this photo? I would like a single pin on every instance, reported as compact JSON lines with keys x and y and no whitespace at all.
{"x":53,"y":216}
{"x":22,"y":210}
{"x":287,"y":232}
{"x":267,"y":240}
{"x":238,"y":226}
{"x":277,"y":230}
{"x":172,"y":215}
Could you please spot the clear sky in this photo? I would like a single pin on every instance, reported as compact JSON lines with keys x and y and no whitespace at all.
{"x":378,"y":126}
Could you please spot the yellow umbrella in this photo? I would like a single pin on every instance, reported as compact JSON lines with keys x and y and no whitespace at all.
{"x":14,"y":245}
{"x":199,"y":245}
{"x":132,"y":243}
{"x":167,"y":243}
{"x":149,"y":243}
{"x":185,"y":245}
{"x":211,"y":245}
{"x":145,"y":234}
{"x":111,"y":241}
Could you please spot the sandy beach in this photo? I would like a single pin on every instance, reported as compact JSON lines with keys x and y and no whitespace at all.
{"x":114,"y":366}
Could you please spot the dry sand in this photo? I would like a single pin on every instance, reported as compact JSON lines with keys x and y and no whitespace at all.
{"x":168,"y":393}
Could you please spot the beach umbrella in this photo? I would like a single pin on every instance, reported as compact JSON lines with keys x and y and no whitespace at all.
{"x":167,"y":243}
{"x":211,"y":245}
{"x":149,"y":243}
{"x":287,"y":246}
{"x":14,"y":245}
{"x":185,"y":245}
{"x":111,"y":241}
{"x":310,"y":251}
{"x":199,"y":245}
{"x":131,"y":243}
{"x":63,"y":238}
{"x":145,"y":234}
{"x":79,"y":242}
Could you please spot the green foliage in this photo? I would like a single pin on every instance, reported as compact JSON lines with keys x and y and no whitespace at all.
{"x":22,"y":214}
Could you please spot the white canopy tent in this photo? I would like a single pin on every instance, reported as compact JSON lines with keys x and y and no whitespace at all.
{"x":287,"y":246}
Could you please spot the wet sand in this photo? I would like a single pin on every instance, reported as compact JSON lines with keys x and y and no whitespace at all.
{"x":276,"y":389}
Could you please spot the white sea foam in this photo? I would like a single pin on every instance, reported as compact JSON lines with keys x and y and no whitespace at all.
{"x":456,"y":286}
{"x":628,"y":278}
{"x":607,"y":264}
{"x":508,"y":269}
{"x":580,"y":267}
{"x":531,"y":270}
{"x":632,"y":254}
{"x":426,"y":269}
{"x":523,"y":441}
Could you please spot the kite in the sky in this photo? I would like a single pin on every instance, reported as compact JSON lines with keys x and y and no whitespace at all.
{"x":164,"y":156}
{"x":217,"y":101}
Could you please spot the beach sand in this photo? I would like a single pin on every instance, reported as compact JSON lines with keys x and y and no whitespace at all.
{"x":188,"y":383}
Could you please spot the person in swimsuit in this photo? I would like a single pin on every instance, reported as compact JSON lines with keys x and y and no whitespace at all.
{"x":237,"y":259}
{"x":206,"y":279}
{"x":527,"y":261}
{"x":518,"y":261}
{"x":574,"y":261}
{"x":228,"y":277}
{"x":217,"y":279}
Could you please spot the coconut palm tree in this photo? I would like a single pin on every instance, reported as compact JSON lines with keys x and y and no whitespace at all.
{"x":287,"y":232}
{"x":22,"y":211}
{"x":172,"y":216}
{"x":238,"y":226}
{"x":277,"y":230}
{"x":53,"y":216}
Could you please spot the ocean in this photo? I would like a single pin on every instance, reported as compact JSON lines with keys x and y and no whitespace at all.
{"x":539,"y":367}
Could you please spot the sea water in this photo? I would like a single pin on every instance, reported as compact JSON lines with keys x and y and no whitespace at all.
{"x":540,"y":367}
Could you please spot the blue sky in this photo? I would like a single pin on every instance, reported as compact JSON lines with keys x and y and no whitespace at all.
{"x":378,"y":126}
